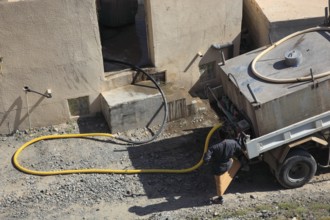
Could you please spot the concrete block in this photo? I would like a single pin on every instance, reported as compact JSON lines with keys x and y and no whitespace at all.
{"x":132,"y":106}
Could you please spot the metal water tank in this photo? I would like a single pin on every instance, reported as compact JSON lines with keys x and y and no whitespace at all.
{"x":268,"y":105}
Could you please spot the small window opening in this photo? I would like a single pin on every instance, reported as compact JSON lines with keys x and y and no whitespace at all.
{"x":79,"y":106}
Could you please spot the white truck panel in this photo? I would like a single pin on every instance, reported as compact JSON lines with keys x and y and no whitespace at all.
{"x":287,"y":134}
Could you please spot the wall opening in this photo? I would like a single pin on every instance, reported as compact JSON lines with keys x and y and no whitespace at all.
{"x":123,"y":33}
{"x":79,"y":106}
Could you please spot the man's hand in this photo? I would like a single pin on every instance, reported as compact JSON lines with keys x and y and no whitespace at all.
{"x":205,"y":161}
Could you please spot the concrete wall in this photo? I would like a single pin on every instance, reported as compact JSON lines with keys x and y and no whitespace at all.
{"x":47,"y":44}
{"x":178,"y":30}
{"x":257,"y":23}
{"x":55,"y":44}
{"x":269,"y":21}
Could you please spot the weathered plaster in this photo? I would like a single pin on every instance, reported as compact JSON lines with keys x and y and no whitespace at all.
{"x":178,"y":30}
{"x":268,"y":21}
{"x":47,"y":44}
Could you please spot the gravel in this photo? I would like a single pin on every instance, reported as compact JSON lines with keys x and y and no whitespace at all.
{"x":253,"y":195}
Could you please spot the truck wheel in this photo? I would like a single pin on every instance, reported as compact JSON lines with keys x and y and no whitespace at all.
{"x":298,"y":169}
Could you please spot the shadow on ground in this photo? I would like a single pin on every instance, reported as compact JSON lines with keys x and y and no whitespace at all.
{"x":191,"y":189}
{"x":182,"y":190}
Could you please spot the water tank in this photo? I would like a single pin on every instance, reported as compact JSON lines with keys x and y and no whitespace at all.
{"x":271,"y":106}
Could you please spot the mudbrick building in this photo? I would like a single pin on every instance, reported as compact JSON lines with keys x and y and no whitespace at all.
{"x":55,"y":56}
{"x":52,"y":52}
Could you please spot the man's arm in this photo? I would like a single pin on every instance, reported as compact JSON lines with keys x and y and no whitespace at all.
{"x":237,"y":150}
{"x":240,"y":155}
{"x":208,"y":155}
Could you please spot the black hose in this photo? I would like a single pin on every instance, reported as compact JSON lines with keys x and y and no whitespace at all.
{"x":160,"y":91}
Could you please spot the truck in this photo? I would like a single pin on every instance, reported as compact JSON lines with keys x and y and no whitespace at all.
{"x":276,"y":101}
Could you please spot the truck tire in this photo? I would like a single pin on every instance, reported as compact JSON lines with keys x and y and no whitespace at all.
{"x":298,"y":169}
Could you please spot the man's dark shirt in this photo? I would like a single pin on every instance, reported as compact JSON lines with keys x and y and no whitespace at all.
{"x":221,"y":153}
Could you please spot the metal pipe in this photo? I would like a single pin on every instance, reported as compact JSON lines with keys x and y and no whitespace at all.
{"x":253,"y":96}
{"x":223,"y":58}
{"x":221,"y":46}
{"x":47,"y":95}
{"x":312,"y":75}
{"x":1,"y":59}
{"x":227,"y":114}
{"x":326,"y":20}
{"x":328,"y":13}
{"x":28,"y":108}
{"x":313,"y":78}
{"x":231,"y":75}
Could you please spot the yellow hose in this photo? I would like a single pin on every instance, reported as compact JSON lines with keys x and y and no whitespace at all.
{"x":289,"y":80}
{"x":58,"y":172}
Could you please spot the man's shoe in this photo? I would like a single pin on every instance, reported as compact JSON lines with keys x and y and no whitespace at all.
{"x":218,"y":200}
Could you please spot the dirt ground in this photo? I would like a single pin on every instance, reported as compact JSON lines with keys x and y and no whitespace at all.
{"x":252,"y":195}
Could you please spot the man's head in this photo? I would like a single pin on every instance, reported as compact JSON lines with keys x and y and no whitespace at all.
{"x":223,"y":133}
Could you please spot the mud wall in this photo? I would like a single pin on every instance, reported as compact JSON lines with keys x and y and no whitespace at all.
{"x":269,"y":21}
{"x":47,"y":44}
{"x":179,"y":30}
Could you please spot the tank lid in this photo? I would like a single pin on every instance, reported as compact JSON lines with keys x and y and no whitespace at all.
{"x":293,"y":58}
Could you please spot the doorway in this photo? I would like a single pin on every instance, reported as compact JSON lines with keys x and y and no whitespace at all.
{"x":123,"y":33}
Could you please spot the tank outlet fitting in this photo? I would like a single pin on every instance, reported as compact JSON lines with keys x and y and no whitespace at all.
{"x":293,"y":58}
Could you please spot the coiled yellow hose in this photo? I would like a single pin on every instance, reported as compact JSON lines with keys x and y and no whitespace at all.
{"x":58,"y":172}
{"x":289,"y":80}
